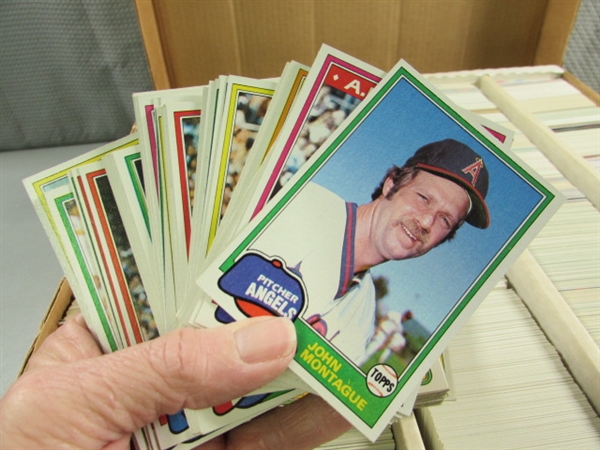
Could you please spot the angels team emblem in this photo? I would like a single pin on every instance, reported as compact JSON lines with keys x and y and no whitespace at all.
{"x":263,"y":287}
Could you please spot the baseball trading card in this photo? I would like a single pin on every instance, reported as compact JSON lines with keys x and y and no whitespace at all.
{"x":335,"y":85}
{"x":407,"y":213}
{"x":205,"y":133}
{"x":162,"y":241}
{"x":246,"y":101}
{"x":209,"y":136}
{"x":431,"y":391}
{"x":55,"y":202}
{"x":175,"y":431}
{"x":288,"y":88}
{"x":111,"y":243}
{"x":145,"y":104}
{"x":434,"y":386}
{"x":87,"y":282}
{"x":68,"y":214}
{"x":211,"y":106}
{"x":126,"y":178}
{"x":231,"y":415}
{"x":40,"y":184}
{"x":67,"y":237}
{"x":233,"y":223}
{"x":143,"y":107}
{"x":178,"y":159}
{"x":148,"y":438}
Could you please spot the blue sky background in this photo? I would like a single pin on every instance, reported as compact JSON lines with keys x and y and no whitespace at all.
{"x":401,"y":123}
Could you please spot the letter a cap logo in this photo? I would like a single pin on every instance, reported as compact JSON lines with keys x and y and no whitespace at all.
{"x":459,"y":163}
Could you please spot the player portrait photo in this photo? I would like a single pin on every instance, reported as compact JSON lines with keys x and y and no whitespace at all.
{"x":377,"y":246}
{"x":335,"y":244}
{"x":393,"y":229}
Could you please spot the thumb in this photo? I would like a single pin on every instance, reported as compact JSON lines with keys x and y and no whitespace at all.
{"x":192,"y":368}
{"x":108,"y":397}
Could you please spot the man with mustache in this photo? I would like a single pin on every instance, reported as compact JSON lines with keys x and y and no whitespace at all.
{"x":332,"y":244}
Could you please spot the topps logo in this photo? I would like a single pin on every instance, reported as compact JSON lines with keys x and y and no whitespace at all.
{"x":382,"y":380}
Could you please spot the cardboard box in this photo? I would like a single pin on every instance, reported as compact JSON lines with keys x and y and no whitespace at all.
{"x":190,"y":43}
{"x":57,"y":311}
{"x":406,"y":433}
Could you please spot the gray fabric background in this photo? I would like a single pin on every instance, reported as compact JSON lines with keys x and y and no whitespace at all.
{"x":582,"y":57}
{"x":67,"y":71}
{"x":68,"y":68}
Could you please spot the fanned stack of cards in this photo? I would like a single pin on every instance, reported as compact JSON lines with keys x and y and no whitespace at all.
{"x":365,"y":207}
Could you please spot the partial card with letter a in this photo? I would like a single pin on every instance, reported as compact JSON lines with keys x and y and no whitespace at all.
{"x":337,"y":248}
{"x":335,"y":85}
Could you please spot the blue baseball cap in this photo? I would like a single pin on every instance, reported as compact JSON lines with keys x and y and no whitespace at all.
{"x":457,"y":162}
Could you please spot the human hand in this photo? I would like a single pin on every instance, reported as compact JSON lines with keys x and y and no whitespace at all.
{"x":72,"y":396}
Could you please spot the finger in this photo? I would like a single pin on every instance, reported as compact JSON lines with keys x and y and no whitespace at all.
{"x":71,"y":342}
{"x":308,"y":423}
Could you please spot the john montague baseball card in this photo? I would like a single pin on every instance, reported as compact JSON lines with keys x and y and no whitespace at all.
{"x":383,"y":244}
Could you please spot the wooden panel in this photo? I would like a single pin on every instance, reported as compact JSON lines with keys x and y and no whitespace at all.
{"x":558,"y":22}
{"x":190,"y":42}
{"x":434,"y":51}
{"x":151,"y":35}
{"x":366,"y":30}
{"x":271,"y":33}
{"x":503,"y":33}
{"x":199,"y":40}
{"x":584,"y":88}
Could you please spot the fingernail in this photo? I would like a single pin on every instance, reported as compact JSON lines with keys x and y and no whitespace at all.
{"x":266,"y":340}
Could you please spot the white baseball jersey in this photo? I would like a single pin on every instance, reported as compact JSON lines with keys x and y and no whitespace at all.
{"x":388,"y":334}
{"x":314,"y":235}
